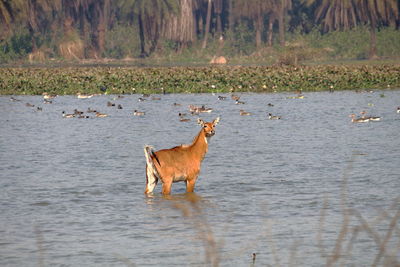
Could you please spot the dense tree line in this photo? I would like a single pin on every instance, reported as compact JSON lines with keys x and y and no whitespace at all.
{"x":79,"y":27}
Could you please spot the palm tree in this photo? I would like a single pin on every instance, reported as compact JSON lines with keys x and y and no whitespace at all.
{"x":374,"y":13}
{"x":10,"y":12}
{"x":38,"y":14}
{"x":218,"y":9}
{"x":280,"y":9}
{"x":99,"y":11}
{"x":181,"y":27}
{"x":335,"y":14}
{"x":208,"y":21}
{"x":345,"y":14}
{"x":254,"y":10}
{"x":5,"y":18}
{"x":150,"y":14}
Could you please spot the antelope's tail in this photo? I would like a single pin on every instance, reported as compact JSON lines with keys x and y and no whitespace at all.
{"x":152,"y":175}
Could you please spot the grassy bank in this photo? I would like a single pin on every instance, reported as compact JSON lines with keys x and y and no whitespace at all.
{"x":119,"y":80}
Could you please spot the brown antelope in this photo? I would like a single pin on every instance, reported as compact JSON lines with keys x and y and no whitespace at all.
{"x":180,"y":163}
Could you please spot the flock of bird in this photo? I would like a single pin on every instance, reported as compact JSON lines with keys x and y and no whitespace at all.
{"x":193,"y":109}
{"x":48,"y":99}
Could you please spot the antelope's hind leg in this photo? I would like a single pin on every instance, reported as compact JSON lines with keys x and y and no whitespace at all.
{"x":166,"y":187}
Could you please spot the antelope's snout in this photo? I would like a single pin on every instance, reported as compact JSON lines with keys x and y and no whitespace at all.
{"x":210,"y":133}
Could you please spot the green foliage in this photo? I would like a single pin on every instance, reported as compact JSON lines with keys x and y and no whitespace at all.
{"x":388,"y":42}
{"x":122,"y":41}
{"x":240,"y":41}
{"x":15,"y":47}
{"x":350,"y":44}
{"x":196,"y":79}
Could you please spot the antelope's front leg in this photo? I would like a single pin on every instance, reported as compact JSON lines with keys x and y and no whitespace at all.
{"x":190,"y":185}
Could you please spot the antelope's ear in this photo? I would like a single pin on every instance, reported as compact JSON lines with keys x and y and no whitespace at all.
{"x":215,"y":122}
{"x":200,"y":121}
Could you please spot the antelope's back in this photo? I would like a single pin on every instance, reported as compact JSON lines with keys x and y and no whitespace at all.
{"x":178,"y":158}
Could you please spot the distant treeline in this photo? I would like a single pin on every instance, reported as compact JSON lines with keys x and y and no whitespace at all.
{"x":40,"y":30}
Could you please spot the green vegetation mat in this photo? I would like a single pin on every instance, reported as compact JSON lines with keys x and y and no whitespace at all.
{"x":128,"y":80}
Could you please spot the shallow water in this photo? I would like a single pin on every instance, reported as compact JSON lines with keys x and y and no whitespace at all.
{"x":72,"y":189}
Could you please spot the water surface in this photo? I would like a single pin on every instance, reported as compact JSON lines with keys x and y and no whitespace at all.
{"x":72,"y":189}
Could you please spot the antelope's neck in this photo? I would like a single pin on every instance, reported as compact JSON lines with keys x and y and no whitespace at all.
{"x":200,"y":144}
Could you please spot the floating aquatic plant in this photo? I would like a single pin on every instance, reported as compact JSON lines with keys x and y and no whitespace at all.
{"x":119,"y":80}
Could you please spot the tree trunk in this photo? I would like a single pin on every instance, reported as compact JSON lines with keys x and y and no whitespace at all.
{"x":281,"y":21}
{"x":208,"y":20}
{"x":259,"y":30}
{"x":270,"y":30}
{"x":141,"y":37}
{"x":231,"y":16}
{"x":219,"y":24}
{"x":372,"y":49}
{"x":32,"y":25}
{"x":155,"y":38}
{"x":82,"y":23}
{"x":103,"y":22}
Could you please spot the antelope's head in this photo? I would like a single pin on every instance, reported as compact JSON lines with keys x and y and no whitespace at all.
{"x":208,"y":127}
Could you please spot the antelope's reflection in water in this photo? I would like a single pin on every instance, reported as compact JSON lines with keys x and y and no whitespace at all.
{"x":191,"y":206}
{"x":177,"y":201}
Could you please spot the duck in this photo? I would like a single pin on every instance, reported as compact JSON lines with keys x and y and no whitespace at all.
{"x":398,"y":110}
{"x":270,"y":105}
{"x":77,"y":112}
{"x":29,"y":105}
{"x":271,"y":117}
{"x":83,"y":117}
{"x":138,"y":113}
{"x":14,"y":99}
{"x":203,"y":109}
{"x":48,"y":96}
{"x":109,"y":104}
{"x":296,"y":97}
{"x":244,"y":113}
{"x":119,"y":106}
{"x":182,"y":117}
{"x":369,"y":117}
{"x":221,"y":97}
{"x":357,"y":120}
{"x":65,"y":115}
{"x":39,"y":109}
{"x":238,"y":102}
{"x":235,"y":97}
{"x":46,"y":101}
{"x":101,"y":115}
{"x":194,"y":109}
{"x":176,"y":105}
{"x":89,"y":110}
{"x":82,"y":96}
{"x":374,"y":118}
{"x":140,"y":99}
